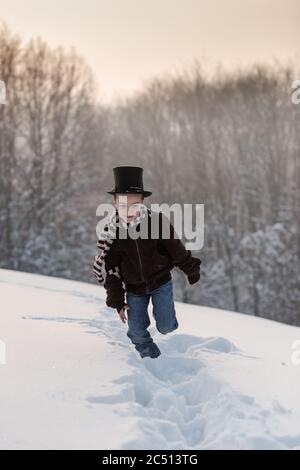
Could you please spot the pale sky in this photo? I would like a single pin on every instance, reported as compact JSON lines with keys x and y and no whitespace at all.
{"x":128,"y":41}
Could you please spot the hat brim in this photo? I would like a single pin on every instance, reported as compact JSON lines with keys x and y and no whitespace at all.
{"x":144,"y":193}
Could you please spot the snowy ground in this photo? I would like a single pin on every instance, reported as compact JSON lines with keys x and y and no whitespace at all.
{"x":72,"y":379}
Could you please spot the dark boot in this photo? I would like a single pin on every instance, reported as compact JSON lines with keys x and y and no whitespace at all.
{"x":152,"y":351}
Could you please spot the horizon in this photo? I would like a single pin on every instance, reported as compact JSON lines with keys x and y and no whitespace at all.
{"x":128,"y":45}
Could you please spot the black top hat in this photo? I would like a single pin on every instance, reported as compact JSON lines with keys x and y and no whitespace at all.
{"x":129,"y":179}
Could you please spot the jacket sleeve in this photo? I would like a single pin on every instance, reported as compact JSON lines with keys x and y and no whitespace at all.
{"x":181,"y":257}
{"x":115,"y":292}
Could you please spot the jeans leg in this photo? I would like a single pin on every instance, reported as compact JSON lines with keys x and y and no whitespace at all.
{"x":164,"y":308}
{"x":138,"y":322}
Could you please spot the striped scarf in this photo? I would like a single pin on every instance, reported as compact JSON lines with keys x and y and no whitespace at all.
{"x":107,"y":237}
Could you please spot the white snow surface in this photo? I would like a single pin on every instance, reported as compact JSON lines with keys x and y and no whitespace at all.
{"x":73,"y":380}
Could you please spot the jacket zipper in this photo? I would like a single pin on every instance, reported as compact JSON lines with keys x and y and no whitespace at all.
{"x":138,"y":251}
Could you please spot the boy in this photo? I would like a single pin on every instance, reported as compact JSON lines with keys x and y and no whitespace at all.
{"x":140,"y":268}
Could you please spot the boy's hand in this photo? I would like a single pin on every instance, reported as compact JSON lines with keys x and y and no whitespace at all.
{"x":122,"y":314}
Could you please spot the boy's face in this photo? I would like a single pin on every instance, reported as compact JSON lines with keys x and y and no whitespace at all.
{"x":124,"y":203}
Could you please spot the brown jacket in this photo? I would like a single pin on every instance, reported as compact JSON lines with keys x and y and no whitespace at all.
{"x":146,"y":264}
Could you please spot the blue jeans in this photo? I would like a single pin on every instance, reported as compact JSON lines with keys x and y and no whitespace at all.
{"x":138,"y":318}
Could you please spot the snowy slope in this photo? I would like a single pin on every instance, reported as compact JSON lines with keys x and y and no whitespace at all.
{"x":72,"y":379}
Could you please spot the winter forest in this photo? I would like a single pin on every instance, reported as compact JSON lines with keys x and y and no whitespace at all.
{"x":230,"y":142}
